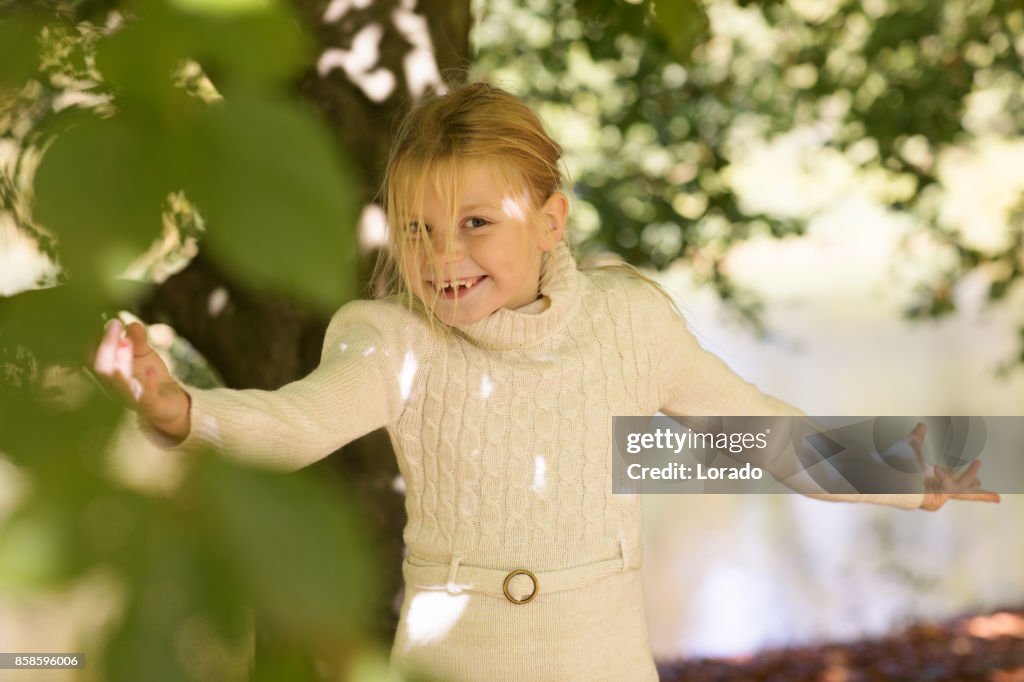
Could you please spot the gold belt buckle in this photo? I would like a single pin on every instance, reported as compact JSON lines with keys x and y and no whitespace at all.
{"x":513,"y":574}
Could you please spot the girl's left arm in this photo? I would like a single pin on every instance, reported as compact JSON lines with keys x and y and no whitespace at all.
{"x":694,"y":382}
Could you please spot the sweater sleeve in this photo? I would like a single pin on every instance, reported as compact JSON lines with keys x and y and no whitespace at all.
{"x":694,"y":382}
{"x":352,"y":392}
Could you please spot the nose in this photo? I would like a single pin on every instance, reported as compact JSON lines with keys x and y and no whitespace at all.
{"x":448,"y":250}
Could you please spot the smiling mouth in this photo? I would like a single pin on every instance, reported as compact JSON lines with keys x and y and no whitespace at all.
{"x":457,"y":287}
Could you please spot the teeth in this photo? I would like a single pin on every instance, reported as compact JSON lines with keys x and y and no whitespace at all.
{"x":468,"y":283}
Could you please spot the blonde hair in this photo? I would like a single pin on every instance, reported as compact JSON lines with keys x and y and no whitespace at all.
{"x":475,"y":122}
{"x":471,"y":122}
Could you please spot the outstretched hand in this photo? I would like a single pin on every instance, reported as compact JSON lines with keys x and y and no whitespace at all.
{"x":130,"y":366}
{"x":942,"y":483}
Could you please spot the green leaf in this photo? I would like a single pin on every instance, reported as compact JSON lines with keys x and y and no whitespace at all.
{"x":280,"y":204}
{"x":149,"y":643}
{"x":224,"y":7}
{"x":56,"y":534}
{"x":185,"y":609}
{"x":101,"y":187}
{"x":682,"y":23}
{"x":58,"y":324}
{"x":19,"y":47}
{"x":285,"y":663}
{"x":63,"y":324}
{"x":245,"y":43}
{"x":34,"y":549}
{"x":58,"y":441}
{"x":296,"y":546}
{"x":140,"y":56}
{"x":262,"y":46}
{"x":135,"y":653}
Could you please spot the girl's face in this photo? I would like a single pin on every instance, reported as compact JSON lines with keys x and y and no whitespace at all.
{"x":486,"y":256}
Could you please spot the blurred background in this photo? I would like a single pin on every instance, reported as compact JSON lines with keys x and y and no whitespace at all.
{"x":834,"y":191}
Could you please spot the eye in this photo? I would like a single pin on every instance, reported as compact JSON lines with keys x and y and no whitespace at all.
{"x":416,"y":228}
{"x":477,"y":222}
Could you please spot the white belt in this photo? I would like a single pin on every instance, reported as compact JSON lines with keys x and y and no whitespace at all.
{"x":519,"y":585}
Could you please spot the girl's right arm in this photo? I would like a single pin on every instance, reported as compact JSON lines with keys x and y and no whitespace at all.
{"x":130,"y":366}
{"x":353,"y":391}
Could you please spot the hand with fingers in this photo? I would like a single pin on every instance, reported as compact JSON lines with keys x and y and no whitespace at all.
{"x":942,"y":483}
{"x":127,"y":363}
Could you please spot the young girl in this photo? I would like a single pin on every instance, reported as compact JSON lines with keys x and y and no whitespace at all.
{"x":496,"y":367}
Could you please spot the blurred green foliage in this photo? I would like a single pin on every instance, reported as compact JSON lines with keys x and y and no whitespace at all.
{"x":175,"y":103}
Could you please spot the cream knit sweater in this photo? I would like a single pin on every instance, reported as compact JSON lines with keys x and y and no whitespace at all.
{"x":502,"y":431}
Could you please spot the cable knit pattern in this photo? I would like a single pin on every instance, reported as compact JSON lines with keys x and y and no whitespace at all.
{"x":503,"y":432}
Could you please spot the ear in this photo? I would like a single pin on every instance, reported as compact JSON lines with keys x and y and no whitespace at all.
{"x":554,"y":215}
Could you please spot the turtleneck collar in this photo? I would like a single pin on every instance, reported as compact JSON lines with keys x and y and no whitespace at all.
{"x":506,"y":329}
